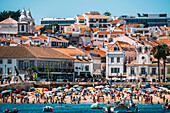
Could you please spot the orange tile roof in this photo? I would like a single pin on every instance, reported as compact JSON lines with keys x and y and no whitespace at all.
{"x":39,"y":26}
{"x":120,"y":45}
{"x":40,"y":37}
{"x":117,"y":28}
{"x":97,"y":16}
{"x":59,"y":38}
{"x":81,"y":26}
{"x":69,"y":51}
{"x":81,"y":17}
{"x":165,"y":41}
{"x":118,"y":32}
{"x":9,"y":21}
{"x":130,"y":25}
{"x":103,"y":32}
{"x":115,"y":21}
{"x":2,"y":39}
{"x":88,"y":30}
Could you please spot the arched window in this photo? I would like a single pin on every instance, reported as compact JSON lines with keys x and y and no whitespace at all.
{"x":22,"y":28}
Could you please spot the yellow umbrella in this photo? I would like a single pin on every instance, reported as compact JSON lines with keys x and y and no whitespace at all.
{"x":66,"y":89}
{"x":91,"y":88}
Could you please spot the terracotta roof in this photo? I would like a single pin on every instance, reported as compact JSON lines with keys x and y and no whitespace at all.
{"x":97,"y":16}
{"x":39,"y":26}
{"x":81,"y":26}
{"x":103,"y":32}
{"x":81,"y":60}
{"x":121,"y":46}
{"x":115,"y":21}
{"x":31,"y":52}
{"x":165,"y":41}
{"x":130,"y":25}
{"x":81,"y":17}
{"x":69,"y":51}
{"x":83,"y":30}
{"x":40,"y":37}
{"x":9,"y":21}
{"x":62,"y":39}
{"x":2,"y":39}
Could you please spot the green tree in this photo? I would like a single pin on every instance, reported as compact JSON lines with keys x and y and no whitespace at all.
{"x":34,"y":70}
{"x":14,"y":14}
{"x":157,"y":53}
{"x":49,"y":69}
{"x":56,"y":29}
{"x":107,"y":13}
{"x":164,"y":54}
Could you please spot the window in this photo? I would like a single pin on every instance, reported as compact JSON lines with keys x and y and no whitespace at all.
{"x":22,"y":28}
{"x":100,"y":36}
{"x":112,"y":60}
{"x":132,"y":71}
{"x":25,"y":65}
{"x":168,"y":72}
{"x":95,"y":35}
{"x":20,"y":64}
{"x":154,"y":71}
{"x":118,"y":59}
{"x":162,"y":71}
{"x":1,"y":70}
{"x":1,"y":61}
{"x":87,"y":68}
{"x":114,"y":70}
{"x":142,"y":70}
{"x":9,"y":61}
{"x":31,"y":63}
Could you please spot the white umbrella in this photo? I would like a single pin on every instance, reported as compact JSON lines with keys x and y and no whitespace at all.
{"x":76,"y":86}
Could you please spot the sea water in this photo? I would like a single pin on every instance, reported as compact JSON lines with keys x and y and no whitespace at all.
{"x":73,"y":108}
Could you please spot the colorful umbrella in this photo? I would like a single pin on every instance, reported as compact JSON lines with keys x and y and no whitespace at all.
{"x":23,"y":91}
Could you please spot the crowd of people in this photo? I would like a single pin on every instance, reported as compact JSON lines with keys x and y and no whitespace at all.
{"x":77,"y":95}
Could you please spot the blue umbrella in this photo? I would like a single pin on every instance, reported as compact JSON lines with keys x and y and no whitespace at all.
{"x":162,"y":85}
{"x":64,"y":87}
{"x":3,"y":92}
{"x":9,"y":90}
{"x":114,"y":85}
{"x":104,"y":90}
{"x":36,"y":94}
{"x":168,"y":85}
{"x":142,"y":91}
{"x":54,"y":89}
{"x":23,"y":91}
{"x":32,"y":88}
{"x":59,"y":88}
{"x":146,"y":84}
{"x":110,"y":89}
{"x":78,"y":88}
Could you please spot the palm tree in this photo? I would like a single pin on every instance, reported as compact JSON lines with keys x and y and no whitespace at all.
{"x":165,"y":52}
{"x":34,"y":70}
{"x":49,"y":69}
{"x":157,"y":53}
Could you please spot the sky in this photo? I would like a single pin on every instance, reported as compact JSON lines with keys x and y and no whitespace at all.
{"x":69,"y":8}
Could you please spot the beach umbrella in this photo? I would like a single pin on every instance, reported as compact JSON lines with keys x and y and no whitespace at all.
{"x":100,"y":94}
{"x":142,"y":91}
{"x":36,"y":94}
{"x":23,"y":91}
{"x":98,"y":87}
{"x":169,"y":86}
{"x":17,"y":90}
{"x":91,"y":88}
{"x":59,"y":88}
{"x":9,"y":90}
{"x":103,"y":90}
{"x":107,"y":86}
{"x":146,"y":84}
{"x":32,"y":87}
{"x":55,"y":89}
{"x":76,"y":86}
{"x":4,"y":91}
{"x":114,"y":85}
{"x":66,"y":89}
{"x":129,"y":91}
{"x":18,"y":95}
